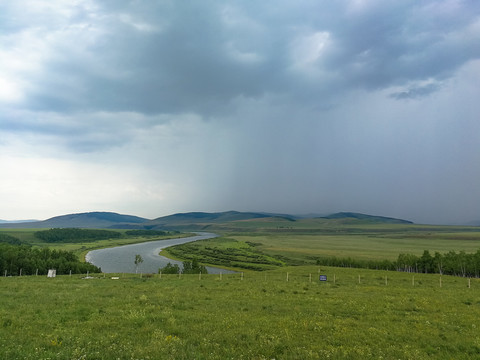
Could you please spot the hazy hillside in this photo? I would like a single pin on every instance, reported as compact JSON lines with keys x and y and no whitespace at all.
{"x":365,"y":217}
{"x":473,"y":223}
{"x":83,"y":220}
{"x":198,"y":219}
{"x":203,"y":221}
{"x":15,"y":221}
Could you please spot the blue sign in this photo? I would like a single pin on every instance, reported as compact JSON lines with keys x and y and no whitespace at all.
{"x":323,"y":277}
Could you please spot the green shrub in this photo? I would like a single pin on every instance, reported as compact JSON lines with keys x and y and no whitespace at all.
{"x":74,"y":235}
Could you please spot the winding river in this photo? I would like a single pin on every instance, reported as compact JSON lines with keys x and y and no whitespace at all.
{"x":121,"y":259}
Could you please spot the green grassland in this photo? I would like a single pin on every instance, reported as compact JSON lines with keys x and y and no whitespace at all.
{"x":283,"y":312}
{"x":301,"y":242}
{"x":359,"y":245}
{"x":363,"y":314}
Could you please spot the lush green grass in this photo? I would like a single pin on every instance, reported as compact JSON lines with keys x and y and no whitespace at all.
{"x":305,"y":247}
{"x":24,"y":235}
{"x":260,"y":317}
{"x":257,"y":315}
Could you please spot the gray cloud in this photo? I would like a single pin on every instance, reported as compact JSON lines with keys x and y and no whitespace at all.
{"x":177,"y":57}
{"x":416,"y":92}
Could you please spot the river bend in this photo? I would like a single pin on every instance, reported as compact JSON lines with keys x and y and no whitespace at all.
{"x":120,"y":259}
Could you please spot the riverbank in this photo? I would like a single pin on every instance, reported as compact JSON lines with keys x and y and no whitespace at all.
{"x":168,"y":254}
{"x":84,"y":249}
{"x":120,"y":259}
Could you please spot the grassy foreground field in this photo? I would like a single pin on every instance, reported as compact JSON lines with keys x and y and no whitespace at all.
{"x":363,"y":314}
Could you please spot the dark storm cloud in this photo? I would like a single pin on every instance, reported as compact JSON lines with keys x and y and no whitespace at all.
{"x":416,"y":92}
{"x":175,"y":61}
{"x":390,"y":43}
{"x":168,"y":57}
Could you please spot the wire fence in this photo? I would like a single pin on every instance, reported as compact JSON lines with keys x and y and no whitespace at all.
{"x":327,"y":278}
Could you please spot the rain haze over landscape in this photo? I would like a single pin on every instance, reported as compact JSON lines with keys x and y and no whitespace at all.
{"x":301,"y":107}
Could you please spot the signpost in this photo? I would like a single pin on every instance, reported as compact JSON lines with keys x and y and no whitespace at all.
{"x":323,"y":277}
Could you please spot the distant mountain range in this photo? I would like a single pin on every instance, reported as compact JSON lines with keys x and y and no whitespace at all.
{"x":90,"y":220}
{"x":15,"y":221}
{"x":473,"y":223}
{"x":191,"y":220}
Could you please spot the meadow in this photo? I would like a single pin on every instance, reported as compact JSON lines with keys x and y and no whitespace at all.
{"x":303,"y":242}
{"x":306,"y":247}
{"x":282,"y":314}
{"x":303,"y":239}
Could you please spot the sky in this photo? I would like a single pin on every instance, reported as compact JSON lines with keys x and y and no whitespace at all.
{"x":150,"y":108}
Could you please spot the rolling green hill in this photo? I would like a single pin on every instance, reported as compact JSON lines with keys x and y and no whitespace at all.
{"x":200,"y":220}
{"x":367,"y":218}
